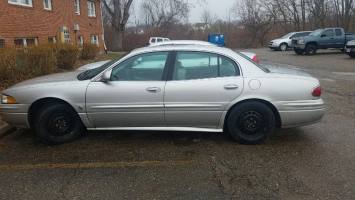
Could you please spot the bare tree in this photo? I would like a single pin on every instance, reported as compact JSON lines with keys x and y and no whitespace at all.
{"x":206,"y":17}
{"x":118,"y":13}
{"x":162,"y":13}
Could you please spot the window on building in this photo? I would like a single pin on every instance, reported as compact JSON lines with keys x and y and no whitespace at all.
{"x":2,"y":43}
{"x":77,"y":7}
{"x":47,"y":4}
{"x":21,"y":2}
{"x":52,"y":40}
{"x":91,"y":9}
{"x":66,"y":34}
{"x":95,"y":39}
{"x":80,"y":41}
{"x":25,"y":42}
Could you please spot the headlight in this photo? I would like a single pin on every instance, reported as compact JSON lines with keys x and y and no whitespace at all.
{"x":5,"y":99}
{"x":300,"y":41}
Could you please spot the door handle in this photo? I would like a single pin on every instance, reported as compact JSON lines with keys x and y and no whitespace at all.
{"x":231,"y":87}
{"x":153,"y":89}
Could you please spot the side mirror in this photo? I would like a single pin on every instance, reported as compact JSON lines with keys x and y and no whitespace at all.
{"x":106,"y":76}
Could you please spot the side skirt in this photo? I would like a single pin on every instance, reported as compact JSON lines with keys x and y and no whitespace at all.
{"x":182,"y":129}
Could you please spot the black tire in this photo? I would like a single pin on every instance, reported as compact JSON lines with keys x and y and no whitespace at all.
{"x":352,"y":55}
{"x":311,"y":49}
{"x":58,"y":124}
{"x":298,"y":51}
{"x":251,"y":123}
{"x":283,"y":47}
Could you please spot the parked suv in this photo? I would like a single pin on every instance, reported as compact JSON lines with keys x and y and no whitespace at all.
{"x":285,"y":42}
{"x":325,"y":38}
{"x":350,"y":48}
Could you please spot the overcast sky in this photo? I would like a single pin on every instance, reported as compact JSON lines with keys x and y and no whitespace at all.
{"x":219,"y":8}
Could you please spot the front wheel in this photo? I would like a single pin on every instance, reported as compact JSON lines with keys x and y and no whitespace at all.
{"x":57,"y":124}
{"x":251,"y":122}
{"x":311,"y":49}
{"x":283,"y":47}
{"x":299,"y":52}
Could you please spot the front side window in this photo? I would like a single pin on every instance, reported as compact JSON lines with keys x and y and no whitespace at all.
{"x":199,"y":65}
{"x":21,"y":2}
{"x":145,"y":67}
{"x":91,"y":9}
{"x":47,"y":4}
{"x":77,"y":7}
{"x":328,"y":33}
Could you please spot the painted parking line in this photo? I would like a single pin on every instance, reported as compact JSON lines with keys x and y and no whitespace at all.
{"x":94,"y":165}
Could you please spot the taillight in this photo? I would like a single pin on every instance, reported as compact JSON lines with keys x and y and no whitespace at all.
{"x":317,"y":92}
{"x":255,"y":59}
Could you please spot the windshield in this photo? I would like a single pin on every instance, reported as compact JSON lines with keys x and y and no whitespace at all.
{"x":316,"y":32}
{"x":91,"y":73}
{"x":287,"y":35}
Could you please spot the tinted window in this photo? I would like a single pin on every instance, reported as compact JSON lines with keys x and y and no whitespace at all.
{"x":338,"y":32}
{"x":145,"y":67}
{"x":198,"y":65}
{"x":328,"y":33}
{"x":305,"y":34}
{"x":159,"y":40}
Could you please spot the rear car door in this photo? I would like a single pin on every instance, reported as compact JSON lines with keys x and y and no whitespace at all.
{"x":339,"y":38}
{"x":327,"y":39}
{"x":134,"y":95}
{"x":202,"y":85}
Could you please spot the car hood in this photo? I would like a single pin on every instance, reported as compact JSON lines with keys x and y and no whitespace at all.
{"x":52,"y":78}
{"x":286,"y":70}
{"x":93,"y":65}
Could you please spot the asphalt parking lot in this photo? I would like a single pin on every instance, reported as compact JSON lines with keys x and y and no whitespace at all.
{"x":314,"y":162}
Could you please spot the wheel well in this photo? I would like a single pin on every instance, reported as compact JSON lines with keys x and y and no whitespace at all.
{"x":41,"y":103}
{"x":314,"y":43}
{"x":284,"y":43}
{"x":270,"y":105}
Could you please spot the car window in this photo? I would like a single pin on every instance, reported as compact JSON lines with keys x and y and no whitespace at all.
{"x":305,"y":34}
{"x":144,"y":67}
{"x":153,"y":40}
{"x":296,"y":35}
{"x":199,"y":65}
{"x":338,"y":32}
{"x":159,"y":40}
{"x":328,"y":33}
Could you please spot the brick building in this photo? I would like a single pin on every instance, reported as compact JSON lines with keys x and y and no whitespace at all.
{"x":31,"y":22}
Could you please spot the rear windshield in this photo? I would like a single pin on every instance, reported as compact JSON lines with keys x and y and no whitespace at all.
{"x":266,"y":70}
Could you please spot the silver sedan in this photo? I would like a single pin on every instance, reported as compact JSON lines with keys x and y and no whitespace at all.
{"x":167,"y":88}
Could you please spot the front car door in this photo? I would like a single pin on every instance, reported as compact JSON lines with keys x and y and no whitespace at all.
{"x":202,"y":86}
{"x":134,"y":95}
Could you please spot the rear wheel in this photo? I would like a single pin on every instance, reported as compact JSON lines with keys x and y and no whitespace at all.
{"x":251,"y":123}
{"x":311,"y":49}
{"x":57,"y":124}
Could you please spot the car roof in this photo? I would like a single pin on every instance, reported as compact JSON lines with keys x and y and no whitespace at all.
{"x":186,"y":47}
{"x":183,"y":42}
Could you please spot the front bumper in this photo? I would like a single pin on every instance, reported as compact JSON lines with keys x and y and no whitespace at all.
{"x":350,"y":49}
{"x":300,"y":113}
{"x":299,"y":46}
{"x":15,"y":115}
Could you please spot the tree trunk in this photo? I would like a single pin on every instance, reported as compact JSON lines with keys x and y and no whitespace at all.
{"x":117,"y":40}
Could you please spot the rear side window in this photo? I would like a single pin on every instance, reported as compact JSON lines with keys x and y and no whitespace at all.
{"x":338,"y":32}
{"x":200,"y":65}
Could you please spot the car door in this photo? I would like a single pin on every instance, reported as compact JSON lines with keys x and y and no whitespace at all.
{"x":339,"y":39}
{"x":134,"y":95}
{"x":327,"y":38}
{"x":202,"y":85}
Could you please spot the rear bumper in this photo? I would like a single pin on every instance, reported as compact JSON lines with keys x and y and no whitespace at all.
{"x":300,"y":113}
